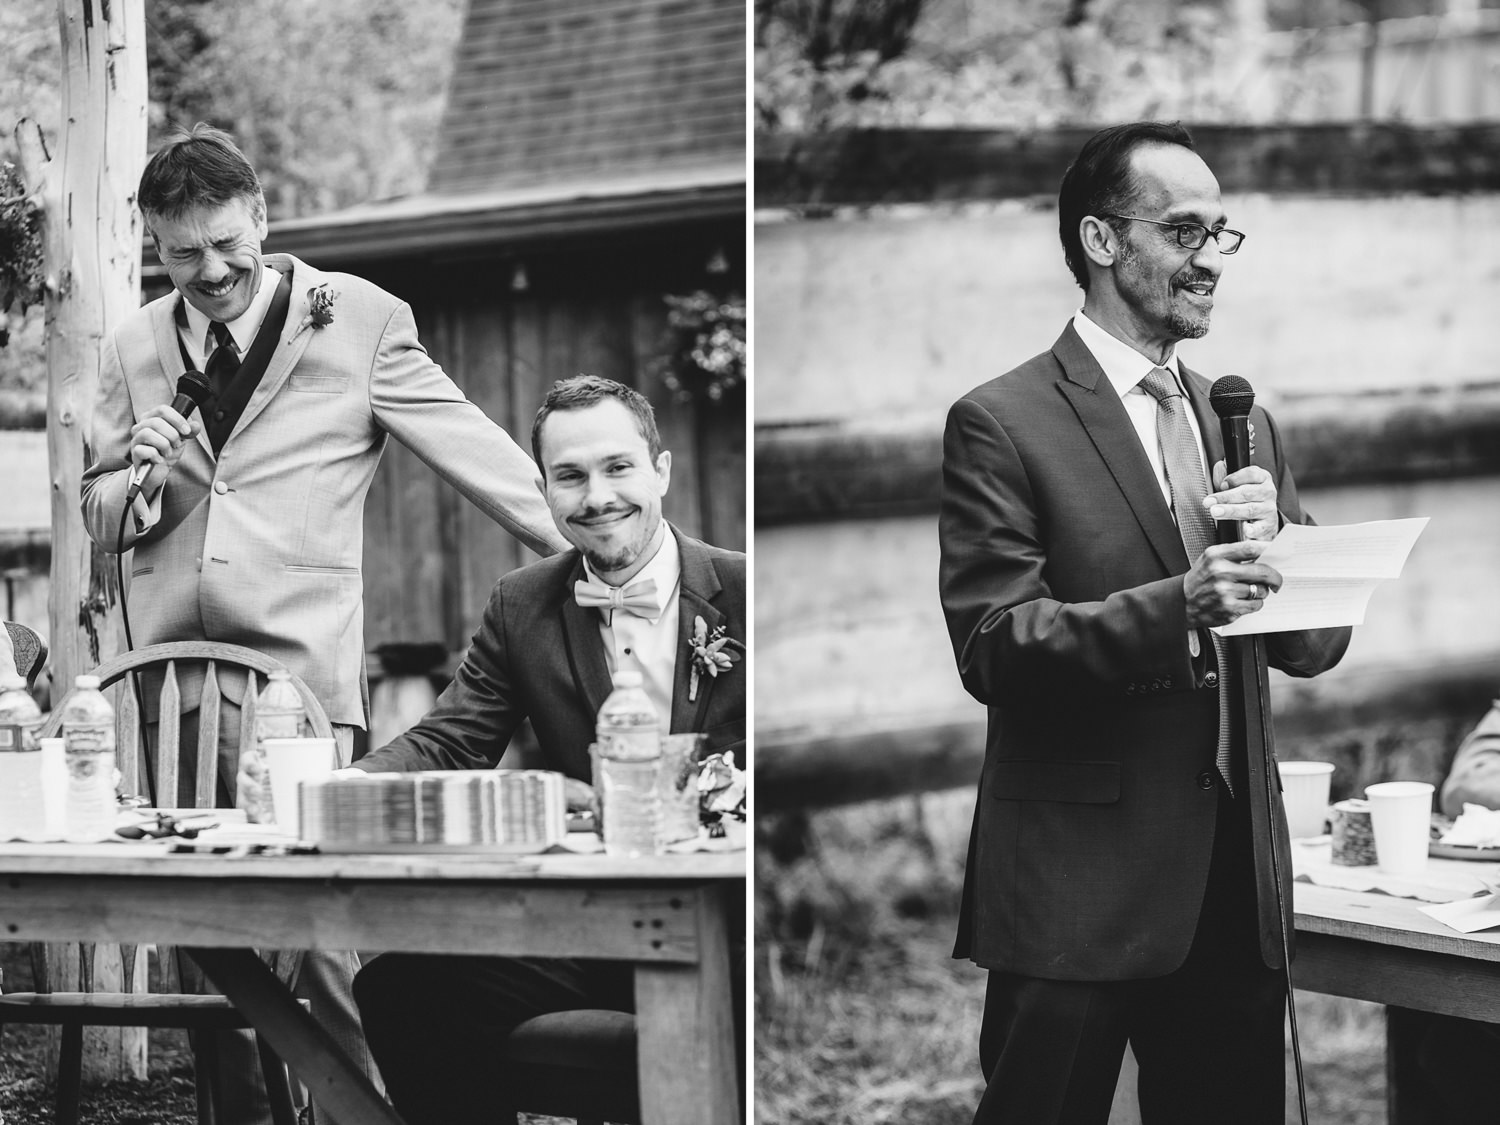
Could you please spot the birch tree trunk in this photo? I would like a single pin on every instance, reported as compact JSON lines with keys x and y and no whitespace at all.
{"x":93,"y":252}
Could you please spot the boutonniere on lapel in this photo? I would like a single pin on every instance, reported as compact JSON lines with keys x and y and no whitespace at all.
{"x":713,"y":652}
{"x":319,"y":314}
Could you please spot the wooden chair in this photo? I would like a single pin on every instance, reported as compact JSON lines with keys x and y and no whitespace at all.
{"x":30,"y":651}
{"x":579,"y":1064}
{"x":74,"y":1011}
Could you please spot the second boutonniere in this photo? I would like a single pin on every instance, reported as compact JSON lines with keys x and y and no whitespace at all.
{"x":712,"y":653}
{"x":319,"y":314}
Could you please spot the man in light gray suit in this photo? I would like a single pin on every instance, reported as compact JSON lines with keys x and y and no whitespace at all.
{"x":248,"y":525}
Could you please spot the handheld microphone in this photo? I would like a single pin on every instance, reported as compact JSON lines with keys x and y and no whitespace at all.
{"x":1232,"y":397}
{"x":192,"y":390}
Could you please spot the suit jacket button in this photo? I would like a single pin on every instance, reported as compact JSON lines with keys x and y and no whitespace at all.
{"x":218,"y":416}
{"x":1211,"y":679}
{"x":1206,"y":779}
{"x":220,"y":487}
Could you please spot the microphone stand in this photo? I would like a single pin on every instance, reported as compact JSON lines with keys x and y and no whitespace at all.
{"x":1250,"y":651}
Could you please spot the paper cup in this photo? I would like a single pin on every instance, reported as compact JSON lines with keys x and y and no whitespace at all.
{"x":1304,"y":789}
{"x":1401,"y":815}
{"x":290,"y":762}
{"x":54,"y":784}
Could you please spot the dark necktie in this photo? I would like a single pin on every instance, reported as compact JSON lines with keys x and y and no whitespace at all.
{"x":224,"y":364}
{"x":1179,"y":453}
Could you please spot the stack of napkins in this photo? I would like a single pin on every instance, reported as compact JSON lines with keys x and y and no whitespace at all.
{"x":1476,"y":827}
{"x":501,"y":810}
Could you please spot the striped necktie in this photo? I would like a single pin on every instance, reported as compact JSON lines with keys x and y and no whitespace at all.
{"x":1179,"y":453}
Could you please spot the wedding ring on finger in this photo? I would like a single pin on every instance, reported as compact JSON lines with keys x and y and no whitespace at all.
{"x":1255,"y":591}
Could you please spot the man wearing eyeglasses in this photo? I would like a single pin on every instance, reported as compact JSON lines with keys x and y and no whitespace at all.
{"x":1114,"y":889}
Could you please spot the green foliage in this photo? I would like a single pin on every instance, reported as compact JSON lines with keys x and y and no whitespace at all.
{"x":334,"y":103}
{"x":1030,"y":64}
{"x":20,"y":245}
{"x":705,"y":346}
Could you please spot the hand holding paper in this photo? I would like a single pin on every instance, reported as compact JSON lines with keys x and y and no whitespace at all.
{"x":1329,"y":574}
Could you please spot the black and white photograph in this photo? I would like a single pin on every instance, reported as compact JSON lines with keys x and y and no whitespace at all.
{"x":1085,"y":330}
{"x":373,"y":694}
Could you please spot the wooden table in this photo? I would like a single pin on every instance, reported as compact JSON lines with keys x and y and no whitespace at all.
{"x":664,"y":913}
{"x":1382,"y":948}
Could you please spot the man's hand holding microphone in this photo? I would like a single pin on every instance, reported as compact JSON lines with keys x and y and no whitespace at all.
{"x":1228,"y":581}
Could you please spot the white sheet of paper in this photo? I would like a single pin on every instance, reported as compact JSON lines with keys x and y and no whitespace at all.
{"x":1467,"y":915}
{"x":1329,"y":574}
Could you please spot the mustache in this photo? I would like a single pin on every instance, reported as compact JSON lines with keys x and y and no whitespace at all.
{"x":1196,"y":277}
{"x":600,"y":513}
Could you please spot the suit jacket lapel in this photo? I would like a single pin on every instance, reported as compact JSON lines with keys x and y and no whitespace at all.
{"x":294,"y":337}
{"x":1103,"y":415}
{"x":585,"y":646}
{"x":700,"y":586}
{"x":169,"y":352}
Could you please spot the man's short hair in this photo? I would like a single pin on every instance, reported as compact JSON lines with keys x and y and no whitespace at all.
{"x":198,"y":167}
{"x":1100,"y":181}
{"x":582,"y":391}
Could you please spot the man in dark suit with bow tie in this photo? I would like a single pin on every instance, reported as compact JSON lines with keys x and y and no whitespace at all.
{"x":1119,"y":885}
{"x":631,"y":595}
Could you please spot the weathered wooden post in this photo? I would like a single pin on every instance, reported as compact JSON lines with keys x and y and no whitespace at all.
{"x":92,"y":263}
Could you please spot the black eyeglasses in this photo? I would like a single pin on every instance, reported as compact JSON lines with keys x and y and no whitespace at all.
{"x":1193,"y":236}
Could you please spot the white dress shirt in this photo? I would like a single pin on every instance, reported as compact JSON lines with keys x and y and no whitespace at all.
{"x":1125,"y":367}
{"x":648,"y":645}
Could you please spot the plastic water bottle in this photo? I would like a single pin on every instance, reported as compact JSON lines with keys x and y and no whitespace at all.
{"x":23,"y":807}
{"x":628,"y":736}
{"x":279,"y":713}
{"x":88,"y":729}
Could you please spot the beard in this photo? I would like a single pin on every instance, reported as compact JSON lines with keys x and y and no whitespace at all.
{"x":1186,"y":327}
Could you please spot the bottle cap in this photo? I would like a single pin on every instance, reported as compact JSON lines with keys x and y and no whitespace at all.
{"x":627,"y":678}
{"x":86,"y":682}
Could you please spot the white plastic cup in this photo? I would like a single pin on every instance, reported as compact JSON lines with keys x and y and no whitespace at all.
{"x":54,"y":784}
{"x":1401,"y":815}
{"x":290,"y":762}
{"x":1304,"y":790}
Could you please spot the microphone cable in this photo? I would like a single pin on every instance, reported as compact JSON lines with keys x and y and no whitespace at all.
{"x":192,"y":390}
{"x":142,"y":724}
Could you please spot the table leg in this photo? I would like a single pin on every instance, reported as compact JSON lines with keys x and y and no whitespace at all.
{"x":303,"y":1044}
{"x":685,"y":1030}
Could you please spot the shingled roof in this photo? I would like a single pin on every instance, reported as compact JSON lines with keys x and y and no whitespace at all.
{"x":557,"y":90}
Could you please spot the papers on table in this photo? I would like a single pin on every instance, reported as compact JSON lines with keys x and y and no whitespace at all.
{"x":1467,"y":915}
{"x":1329,"y":573}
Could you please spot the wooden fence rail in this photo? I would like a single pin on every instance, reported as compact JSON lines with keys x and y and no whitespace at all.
{"x":861,"y":167}
{"x":811,"y":769}
{"x":828,"y":471}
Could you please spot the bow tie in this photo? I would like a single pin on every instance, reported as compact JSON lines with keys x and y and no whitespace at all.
{"x":638,"y":598}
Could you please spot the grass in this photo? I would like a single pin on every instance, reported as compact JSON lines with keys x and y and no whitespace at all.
{"x":166,"y":1097}
{"x":862,"y":1016}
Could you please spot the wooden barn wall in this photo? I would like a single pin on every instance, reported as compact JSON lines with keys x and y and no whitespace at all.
{"x":431,"y":557}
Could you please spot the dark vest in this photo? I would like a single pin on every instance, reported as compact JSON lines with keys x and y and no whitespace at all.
{"x":222,"y":413}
